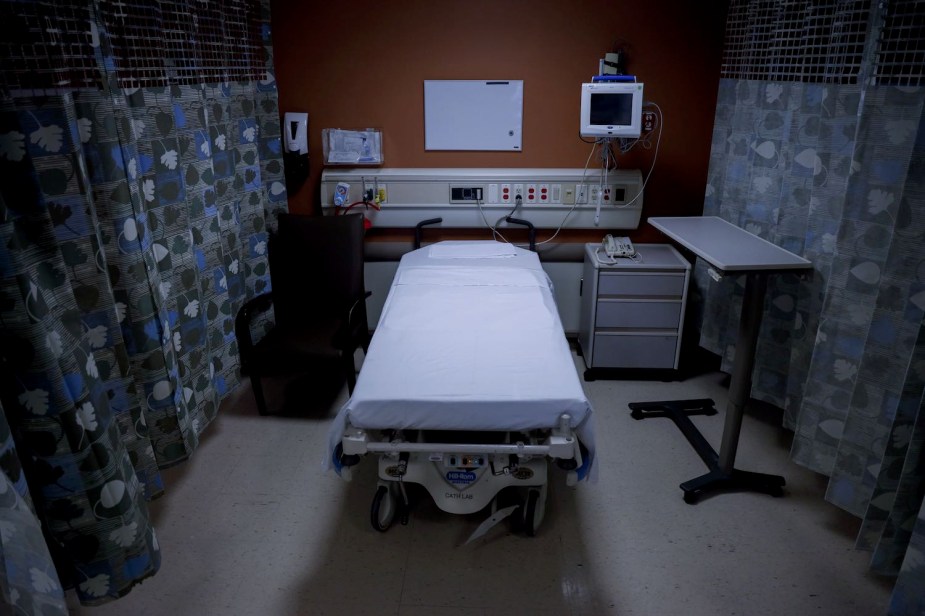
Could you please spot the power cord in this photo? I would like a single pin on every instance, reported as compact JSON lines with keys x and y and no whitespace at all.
{"x":578,"y":189}
{"x":635,"y":258}
{"x":600,"y":261}
{"x":518,"y":201}
{"x":494,"y":231}
{"x":343,"y":210}
{"x":658,"y":141}
{"x":607,"y":155}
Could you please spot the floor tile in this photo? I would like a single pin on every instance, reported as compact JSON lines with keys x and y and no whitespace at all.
{"x":252,"y":524}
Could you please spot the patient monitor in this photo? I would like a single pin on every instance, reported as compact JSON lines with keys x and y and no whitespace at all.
{"x":611,"y":109}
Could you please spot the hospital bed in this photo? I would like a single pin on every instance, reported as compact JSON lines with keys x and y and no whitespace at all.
{"x":469,"y":388}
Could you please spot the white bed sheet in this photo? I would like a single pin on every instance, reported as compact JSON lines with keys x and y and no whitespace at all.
{"x":467,"y":343}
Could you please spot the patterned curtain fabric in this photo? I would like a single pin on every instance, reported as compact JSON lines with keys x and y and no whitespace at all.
{"x":28,"y":580}
{"x":133,"y":225}
{"x":836,"y":173}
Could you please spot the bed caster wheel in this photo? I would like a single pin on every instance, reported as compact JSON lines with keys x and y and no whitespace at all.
{"x":383,"y":509}
{"x":533,"y":510}
{"x":690,"y":497}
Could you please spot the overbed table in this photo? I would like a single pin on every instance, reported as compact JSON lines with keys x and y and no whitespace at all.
{"x":729,"y":250}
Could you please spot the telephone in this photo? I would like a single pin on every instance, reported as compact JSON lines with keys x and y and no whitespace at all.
{"x":618,"y":246}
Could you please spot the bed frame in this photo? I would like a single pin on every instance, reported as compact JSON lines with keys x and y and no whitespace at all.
{"x":469,"y":389}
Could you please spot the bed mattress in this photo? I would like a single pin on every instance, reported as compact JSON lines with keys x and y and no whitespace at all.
{"x":469,"y":339}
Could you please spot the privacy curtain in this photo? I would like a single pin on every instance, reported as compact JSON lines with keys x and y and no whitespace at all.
{"x":819,"y":147}
{"x":141,"y":165}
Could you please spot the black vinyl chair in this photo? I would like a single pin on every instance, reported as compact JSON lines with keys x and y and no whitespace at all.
{"x":319,"y":300}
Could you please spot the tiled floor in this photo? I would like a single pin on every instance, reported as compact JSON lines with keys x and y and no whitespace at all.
{"x":251,"y":525}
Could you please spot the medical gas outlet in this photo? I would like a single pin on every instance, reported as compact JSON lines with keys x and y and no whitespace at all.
{"x":374,"y":190}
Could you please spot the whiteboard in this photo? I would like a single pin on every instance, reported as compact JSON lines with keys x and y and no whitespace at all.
{"x":473,"y":114}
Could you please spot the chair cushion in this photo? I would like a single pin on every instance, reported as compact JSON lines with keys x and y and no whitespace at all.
{"x":285,"y":348}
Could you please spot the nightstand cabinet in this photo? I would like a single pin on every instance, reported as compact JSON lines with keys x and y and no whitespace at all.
{"x":632,"y":311}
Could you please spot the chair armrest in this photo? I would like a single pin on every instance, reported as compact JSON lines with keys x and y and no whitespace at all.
{"x":352,"y":318}
{"x":357,"y":310}
{"x":242,"y":324}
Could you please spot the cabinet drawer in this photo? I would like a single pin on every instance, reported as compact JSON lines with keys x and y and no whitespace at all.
{"x":634,"y":351}
{"x":644,"y":285}
{"x":637,"y":314}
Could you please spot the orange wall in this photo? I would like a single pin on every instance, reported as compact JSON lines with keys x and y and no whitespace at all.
{"x":358,"y":64}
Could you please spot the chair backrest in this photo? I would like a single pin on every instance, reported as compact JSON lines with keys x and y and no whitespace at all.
{"x":316,"y":265}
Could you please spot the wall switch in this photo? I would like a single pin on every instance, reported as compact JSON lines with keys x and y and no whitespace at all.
{"x":555,"y":195}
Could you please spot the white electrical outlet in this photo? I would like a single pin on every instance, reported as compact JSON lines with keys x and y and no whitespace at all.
{"x":518,"y":190}
{"x":595,"y":193}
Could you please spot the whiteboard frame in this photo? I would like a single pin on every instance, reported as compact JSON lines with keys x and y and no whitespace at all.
{"x":473,"y":114}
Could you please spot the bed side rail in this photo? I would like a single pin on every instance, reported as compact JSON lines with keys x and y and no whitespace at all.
{"x":419,"y":230}
{"x":561,"y":444}
{"x":555,"y":446}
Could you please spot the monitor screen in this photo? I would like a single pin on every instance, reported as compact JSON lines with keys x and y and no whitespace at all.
{"x":612,"y":109}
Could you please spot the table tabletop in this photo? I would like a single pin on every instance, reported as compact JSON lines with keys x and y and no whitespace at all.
{"x":725,"y":246}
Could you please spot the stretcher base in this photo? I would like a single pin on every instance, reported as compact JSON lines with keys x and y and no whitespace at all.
{"x":462,"y":490}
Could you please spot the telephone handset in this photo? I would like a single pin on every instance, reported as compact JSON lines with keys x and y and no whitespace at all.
{"x":618,"y":246}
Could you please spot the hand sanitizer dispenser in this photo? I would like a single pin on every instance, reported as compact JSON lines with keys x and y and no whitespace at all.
{"x":296,"y":132}
{"x":295,"y":149}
